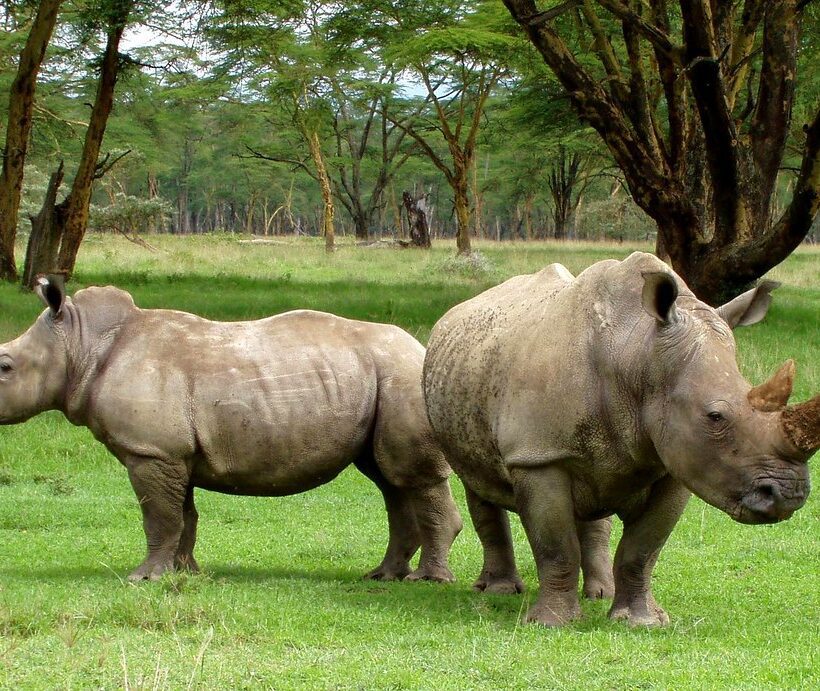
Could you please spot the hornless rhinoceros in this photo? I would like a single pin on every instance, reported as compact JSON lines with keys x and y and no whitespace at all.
{"x":269,"y":407}
{"x":570,"y":399}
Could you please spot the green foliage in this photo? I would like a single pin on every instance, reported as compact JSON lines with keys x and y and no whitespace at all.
{"x":129,"y":214}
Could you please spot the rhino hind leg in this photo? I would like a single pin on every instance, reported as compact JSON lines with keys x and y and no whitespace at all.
{"x":492,"y":523}
{"x":161,"y":490}
{"x":184,"y":557}
{"x":403,"y":530}
{"x":596,"y":562}
{"x":439,"y":523}
{"x":543,"y":497}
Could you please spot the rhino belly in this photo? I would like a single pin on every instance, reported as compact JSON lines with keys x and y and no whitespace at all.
{"x":280,"y":434}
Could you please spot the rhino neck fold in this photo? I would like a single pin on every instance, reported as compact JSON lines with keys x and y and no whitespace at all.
{"x":88,"y":347}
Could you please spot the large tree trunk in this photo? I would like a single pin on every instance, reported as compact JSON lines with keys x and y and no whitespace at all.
{"x":706,"y":177}
{"x":74,"y":213}
{"x":18,"y":129}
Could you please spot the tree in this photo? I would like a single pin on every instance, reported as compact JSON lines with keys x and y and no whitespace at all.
{"x":459,"y":63}
{"x":700,"y":158}
{"x":73,"y":210}
{"x":563,"y":179}
{"x":18,"y":130}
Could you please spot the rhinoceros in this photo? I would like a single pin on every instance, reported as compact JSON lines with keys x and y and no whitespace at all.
{"x":266,"y":408}
{"x":569,"y":400}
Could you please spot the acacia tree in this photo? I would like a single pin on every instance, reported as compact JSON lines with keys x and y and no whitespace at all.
{"x":459,"y":62}
{"x":694,"y":103}
{"x":18,"y":130}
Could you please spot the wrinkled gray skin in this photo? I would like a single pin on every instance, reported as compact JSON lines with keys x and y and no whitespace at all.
{"x":569,"y":400}
{"x":267,"y":408}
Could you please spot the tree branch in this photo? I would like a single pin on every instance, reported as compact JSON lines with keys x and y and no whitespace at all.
{"x":648,"y":182}
{"x":102,"y":167}
{"x":279,"y":159}
{"x":772,"y":117}
{"x":658,"y":38}
{"x":706,"y":80}
{"x":796,"y":221}
{"x":742,"y":45}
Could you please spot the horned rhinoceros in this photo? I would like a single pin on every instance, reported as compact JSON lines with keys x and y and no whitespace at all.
{"x":269,"y":407}
{"x":569,"y":400}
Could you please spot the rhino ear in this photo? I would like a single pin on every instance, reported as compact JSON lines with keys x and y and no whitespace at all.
{"x":749,"y":307}
{"x":51,"y":290}
{"x":660,"y":290}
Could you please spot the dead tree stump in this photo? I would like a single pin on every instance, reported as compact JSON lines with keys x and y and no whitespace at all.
{"x":46,"y":234}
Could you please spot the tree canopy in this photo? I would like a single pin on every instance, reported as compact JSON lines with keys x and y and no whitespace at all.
{"x":695,"y":123}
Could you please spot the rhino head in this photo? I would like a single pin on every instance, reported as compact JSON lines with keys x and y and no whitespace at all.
{"x":33,"y":366}
{"x":742,"y":449}
{"x":51,"y":365}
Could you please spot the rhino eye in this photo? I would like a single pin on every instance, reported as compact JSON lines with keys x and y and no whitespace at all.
{"x":715,"y":416}
{"x":5,"y":367}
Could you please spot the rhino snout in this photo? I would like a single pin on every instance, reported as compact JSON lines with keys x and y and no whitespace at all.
{"x":770,"y":501}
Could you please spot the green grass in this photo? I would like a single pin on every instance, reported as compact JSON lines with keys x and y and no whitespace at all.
{"x":281,"y":603}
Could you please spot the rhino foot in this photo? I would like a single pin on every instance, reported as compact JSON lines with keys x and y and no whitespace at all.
{"x":439,"y":574}
{"x":559,"y":611}
{"x":150,"y":571}
{"x":647,"y":614}
{"x":499,"y":585}
{"x":598,"y":589}
{"x":388,"y":572}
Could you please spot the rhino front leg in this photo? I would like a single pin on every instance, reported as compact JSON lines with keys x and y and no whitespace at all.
{"x":644,"y":536}
{"x":499,"y":573}
{"x":439,"y":522}
{"x":161,"y":488}
{"x":184,"y":557}
{"x":596,"y":562}
{"x":543,"y":497}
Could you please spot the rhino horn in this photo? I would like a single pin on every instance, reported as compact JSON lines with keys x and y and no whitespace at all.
{"x":801,"y":423}
{"x":774,"y":394}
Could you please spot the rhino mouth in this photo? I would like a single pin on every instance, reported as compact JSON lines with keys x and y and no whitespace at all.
{"x":769,"y":501}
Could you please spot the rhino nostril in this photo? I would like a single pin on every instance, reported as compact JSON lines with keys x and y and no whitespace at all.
{"x":767,"y":490}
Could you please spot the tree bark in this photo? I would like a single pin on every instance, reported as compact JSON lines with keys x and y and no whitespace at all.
{"x":461,"y":203}
{"x":74,"y":211}
{"x":328,"y":211}
{"x":18,"y":130}
{"x":46,"y":233}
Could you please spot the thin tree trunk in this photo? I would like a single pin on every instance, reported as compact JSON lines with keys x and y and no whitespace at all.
{"x":18,"y":129}
{"x":328,"y":210}
{"x":462,"y":209}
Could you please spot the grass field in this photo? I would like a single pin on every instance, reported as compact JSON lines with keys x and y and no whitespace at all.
{"x":281,"y":603}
